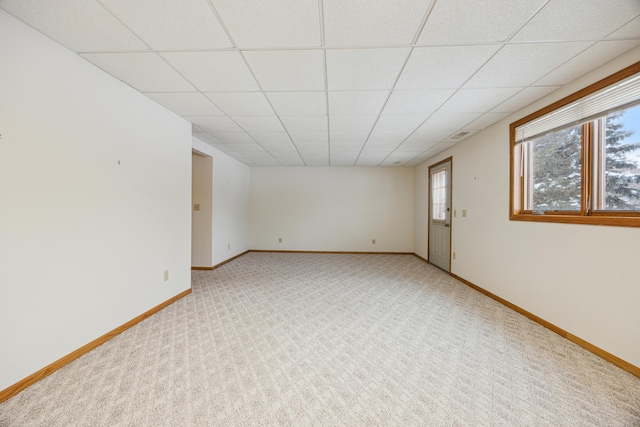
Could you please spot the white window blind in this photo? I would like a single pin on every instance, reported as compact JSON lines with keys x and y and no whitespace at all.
{"x":619,"y":95}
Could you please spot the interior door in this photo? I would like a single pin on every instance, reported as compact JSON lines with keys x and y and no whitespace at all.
{"x":440,"y":215}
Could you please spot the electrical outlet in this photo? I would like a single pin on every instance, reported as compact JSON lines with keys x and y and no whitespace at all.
{"x":454,"y":255}
{"x":455,"y":213}
{"x":280,"y":240}
{"x":373,"y":241}
{"x":166,"y":275}
{"x":464,"y":212}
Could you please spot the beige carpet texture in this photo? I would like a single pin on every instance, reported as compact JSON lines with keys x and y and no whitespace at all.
{"x":291,"y":339}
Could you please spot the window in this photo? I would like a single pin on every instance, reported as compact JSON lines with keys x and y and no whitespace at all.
{"x":578,"y":160}
{"x":439,"y":195}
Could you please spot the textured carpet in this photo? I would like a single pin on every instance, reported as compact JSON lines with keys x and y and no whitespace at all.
{"x":330,"y":340}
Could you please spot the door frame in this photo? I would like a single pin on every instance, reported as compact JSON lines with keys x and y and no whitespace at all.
{"x":435,"y":165}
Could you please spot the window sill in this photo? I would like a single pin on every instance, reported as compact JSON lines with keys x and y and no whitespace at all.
{"x":596,"y":219}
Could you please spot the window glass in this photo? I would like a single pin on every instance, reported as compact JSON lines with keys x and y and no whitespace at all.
{"x":555,"y":171}
{"x":438,"y":194}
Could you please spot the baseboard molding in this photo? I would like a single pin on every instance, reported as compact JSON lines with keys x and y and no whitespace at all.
{"x":419,"y":257}
{"x":332,"y":252}
{"x":620,"y":363}
{"x":48,"y":370}
{"x":222,"y":263}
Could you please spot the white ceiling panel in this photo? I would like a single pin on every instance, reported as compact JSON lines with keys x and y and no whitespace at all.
{"x":233,"y":137}
{"x":316,"y":160}
{"x":305,"y":123}
{"x":288,"y":158}
{"x":349,"y":147}
{"x":441,"y":147}
{"x":364,"y":69}
{"x":399,"y":122}
{"x":485,"y":121}
{"x":399,"y":158}
{"x":299,"y":103}
{"x":525,"y":97}
{"x":357,"y":102}
{"x":427,"y":135}
{"x":599,"y":53}
{"x":629,"y":30}
{"x":204,"y":137}
{"x":271,"y":23}
{"x":287,"y":70}
{"x":213,"y":71}
{"x":351,"y":123}
{"x":371,"y":158}
{"x":312,"y":149}
{"x":343,"y":158}
{"x":523,"y":64}
{"x":596,"y":19}
{"x":271,"y":137}
{"x":261,"y":158}
{"x":310,"y":137}
{"x":214,"y":124}
{"x":145,"y":71}
{"x":477,"y":100}
{"x":443,"y":67}
{"x":81,"y":26}
{"x":187,"y":103}
{"x":246,"y":148}
{"x":372,"y":23}
{"x":154,"y":22}
{"x":465,"y":22}
{"x":348,"y":138}
{"x":413,"y":147}
{"x":390,"y":138}
{"x":442,"y":122}
{"x":279,"y":148}
{"x":241,"y":103}
{"x":259,"y":123}
{"x":422,"y":102}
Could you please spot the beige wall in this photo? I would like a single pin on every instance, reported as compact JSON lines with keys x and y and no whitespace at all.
{"x":582,"y":278}
{"x":332,"y":209}
{"x":95,"y":191}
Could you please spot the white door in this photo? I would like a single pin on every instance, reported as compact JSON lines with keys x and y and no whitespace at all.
{"x":440,"y":215}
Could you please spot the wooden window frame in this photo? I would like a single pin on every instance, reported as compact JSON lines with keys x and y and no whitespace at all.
{"x":586,"y":215}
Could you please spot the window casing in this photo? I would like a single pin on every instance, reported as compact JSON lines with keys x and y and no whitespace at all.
{"x":578,"y":160}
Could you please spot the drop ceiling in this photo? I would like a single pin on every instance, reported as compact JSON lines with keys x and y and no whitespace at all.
{"x":335,"y":82}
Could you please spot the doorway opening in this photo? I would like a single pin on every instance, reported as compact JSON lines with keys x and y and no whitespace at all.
{"x":440,"y":214}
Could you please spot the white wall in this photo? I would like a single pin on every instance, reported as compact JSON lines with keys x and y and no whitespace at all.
{"x":230,"y":214}
{"x":201,"y":220}
{"x":94,"y":193}
{"x":582,"y":278}
{"x":332,"y":209}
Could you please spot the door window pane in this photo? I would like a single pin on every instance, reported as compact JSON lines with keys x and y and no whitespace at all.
{"x":438,"y":194}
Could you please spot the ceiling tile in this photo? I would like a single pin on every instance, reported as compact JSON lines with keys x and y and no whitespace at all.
{"x":305,"y":123}
{"x":422,"y":102}
{"x":399,"y":122}
{"x":298,"y":103}
{"x":356,"y":102}
{"x":214,"y":124}
{"x":271,"y":137}
{"x":629,"y":30}
{"x":155,"y":23}
{"x":206,"y":138}
{"x":81,"y":26}
{"x":427,"y":135}
{"x":413,"y":147}
{"x":316,"y":160}
{"x":399,"y":158}
{"x":145,"y":71}
{"x":279,"y":148}
{"x":233,"y":137}
{"x":445,"y":121}
{"x":348,"y":137}
{"x":462,"y":21}
{"x":343,"y":158}
{"x":591,"y":20}
{"x":288,"y":158}
{"x":309,"y":137}
{"x":596,"y":55}
{"x":259,"y":123}
{"x":246,"y":148}
{"x":271,"y":23}
{"x":312,"y":149}
{"x":372,"y":23}
{"x":261,"y":158}
{"x":477,"y":100}
{"x":364,"y":69}
{"x":441,"y":147}
{"x":485,"y":121}
{"x":352,"y":123}
{"x":390,"y":138}
{"x":213,"y":71}
{"x":241,"y":103}
{"x":287,"y":70}
{"x":525,"y":97}
{"x":443,"y":67}
{"x":349,"y":147}
{"x":371,"y":158}
{"x":186,"y":104}
{"x":523,"y":64}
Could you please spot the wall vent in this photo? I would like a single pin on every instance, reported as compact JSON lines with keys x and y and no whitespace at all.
{"x":459,"y":135}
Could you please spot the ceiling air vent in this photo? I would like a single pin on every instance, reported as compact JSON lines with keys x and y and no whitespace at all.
{"x":459,"y":135}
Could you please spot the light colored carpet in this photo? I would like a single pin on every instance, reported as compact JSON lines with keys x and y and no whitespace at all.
{"x":332,"y":340}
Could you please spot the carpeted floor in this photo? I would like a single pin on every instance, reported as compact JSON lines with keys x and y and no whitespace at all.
{"x":331,"y":340}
